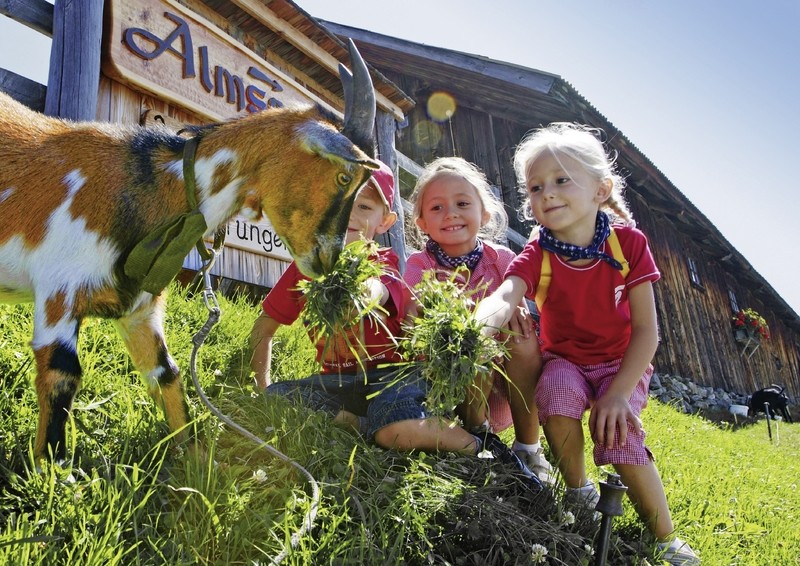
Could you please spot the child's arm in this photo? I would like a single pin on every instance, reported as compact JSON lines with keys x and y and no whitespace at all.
{"x":376,"y":291}
{"x":496,"y":310}
{"x":264,"y":329}
{"x":612,"y":411}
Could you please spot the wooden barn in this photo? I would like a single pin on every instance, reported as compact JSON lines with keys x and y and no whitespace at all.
{"x":175,"y":62}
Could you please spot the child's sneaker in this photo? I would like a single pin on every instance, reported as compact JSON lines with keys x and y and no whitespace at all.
{"x":677,"y":553}
{"x":538,"y":464}
{"x":492,"y":446}
{"x":583,"y":499}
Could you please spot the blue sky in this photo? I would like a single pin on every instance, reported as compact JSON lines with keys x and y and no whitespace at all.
{"x":707,"y":90}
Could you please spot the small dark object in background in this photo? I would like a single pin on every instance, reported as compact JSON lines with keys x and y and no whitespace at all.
{"x":775,"y":397}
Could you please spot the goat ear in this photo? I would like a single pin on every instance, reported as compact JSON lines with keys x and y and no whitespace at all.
{"x":327,"y":142}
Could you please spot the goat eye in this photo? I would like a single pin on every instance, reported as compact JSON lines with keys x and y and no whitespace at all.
{"x":343,"y":179}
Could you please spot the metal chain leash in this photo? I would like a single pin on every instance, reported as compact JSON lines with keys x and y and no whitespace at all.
{"x":214,"y":313}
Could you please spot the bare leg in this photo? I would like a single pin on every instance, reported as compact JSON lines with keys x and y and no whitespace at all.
{"x":565,"y":438}
{"x":646,"y":492}
{"x":523,"y":368}
{"x":426,"y":434}
{"x":474,"y":409}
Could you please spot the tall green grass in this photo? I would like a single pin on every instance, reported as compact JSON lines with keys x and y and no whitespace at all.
{"x":130,"y":495}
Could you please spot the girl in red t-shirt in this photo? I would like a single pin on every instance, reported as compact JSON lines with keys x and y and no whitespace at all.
{"x":598,"y":327}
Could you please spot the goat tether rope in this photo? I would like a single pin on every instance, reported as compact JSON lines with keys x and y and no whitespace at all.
{"x":211,"y":303}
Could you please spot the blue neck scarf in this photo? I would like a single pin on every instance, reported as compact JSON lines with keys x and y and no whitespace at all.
{"x":592,"y":251}
{"x":470,"y":260}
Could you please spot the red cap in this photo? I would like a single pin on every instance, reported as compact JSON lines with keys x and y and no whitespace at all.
{"x":384,"y":180}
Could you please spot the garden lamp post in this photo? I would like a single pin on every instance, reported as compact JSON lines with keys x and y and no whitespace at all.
{"x":610,"y":506}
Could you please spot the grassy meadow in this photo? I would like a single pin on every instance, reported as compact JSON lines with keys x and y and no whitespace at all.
{"x":130,"y":495}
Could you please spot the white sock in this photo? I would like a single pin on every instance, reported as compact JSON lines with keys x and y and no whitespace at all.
{"x":522,"y":447}
{"x":478,"y":444}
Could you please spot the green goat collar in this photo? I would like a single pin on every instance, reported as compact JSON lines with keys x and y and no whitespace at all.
{"x":158,"y":258}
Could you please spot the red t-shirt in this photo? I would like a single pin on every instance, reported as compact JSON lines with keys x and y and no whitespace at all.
{"x":586,"y":317}
{"x":285,"y":302}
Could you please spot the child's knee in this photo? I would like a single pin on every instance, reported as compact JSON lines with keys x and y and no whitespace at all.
{"x":525,"y":351}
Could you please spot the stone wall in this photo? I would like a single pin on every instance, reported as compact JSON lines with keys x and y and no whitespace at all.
{"x":690,"y":397}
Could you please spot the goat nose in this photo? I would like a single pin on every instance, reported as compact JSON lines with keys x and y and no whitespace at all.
{"x":327,"y":255}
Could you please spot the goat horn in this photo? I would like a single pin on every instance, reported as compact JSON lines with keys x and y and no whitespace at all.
{"x":359,"y":101}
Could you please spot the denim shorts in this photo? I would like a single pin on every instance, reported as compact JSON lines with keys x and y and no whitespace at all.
{"x":383,"y":397}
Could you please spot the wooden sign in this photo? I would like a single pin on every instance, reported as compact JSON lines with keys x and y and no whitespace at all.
{"x":169,"y":51}
{"x":257,"y":237}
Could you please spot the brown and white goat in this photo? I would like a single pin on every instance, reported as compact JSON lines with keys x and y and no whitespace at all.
{"x":77,"y":197}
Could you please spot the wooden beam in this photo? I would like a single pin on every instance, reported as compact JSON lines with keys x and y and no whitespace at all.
{"x":35,"y":14}
{"x":395,"y":237}
{"x":74,"y":75}
{"x":409,"y":164}
{"x":20,"y":88}
{"x":268,"y":18}
{"x":532,"y":79}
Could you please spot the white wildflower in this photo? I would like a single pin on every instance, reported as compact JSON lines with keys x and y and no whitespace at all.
{"x":260,"y":475}
{"x":589,"y":550}
{"x":538,"y":552}
{"x":567,"y":518}
{"x":486,"y":455}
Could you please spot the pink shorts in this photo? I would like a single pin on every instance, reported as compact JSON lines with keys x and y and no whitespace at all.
{"x":569,"y":390}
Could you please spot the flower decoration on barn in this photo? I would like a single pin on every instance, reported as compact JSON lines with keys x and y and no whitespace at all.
{"x":751,"y":323}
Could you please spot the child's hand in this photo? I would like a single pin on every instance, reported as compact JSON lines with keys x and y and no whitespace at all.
{"x":521,"y":324}
{"x":375,"y":291}
{"x":611,"y":413}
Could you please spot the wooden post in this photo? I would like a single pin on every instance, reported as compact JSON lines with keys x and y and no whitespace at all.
{"x":75,"y":59}
{"x":395,"y":237}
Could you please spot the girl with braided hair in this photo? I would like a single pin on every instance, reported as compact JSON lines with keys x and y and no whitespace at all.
{"x":591,"y":272}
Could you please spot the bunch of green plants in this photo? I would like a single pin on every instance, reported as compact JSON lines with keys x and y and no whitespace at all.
{"x":339,"y":301}
{"x":446,"y":342}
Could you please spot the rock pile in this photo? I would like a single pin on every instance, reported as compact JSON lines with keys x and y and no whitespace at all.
{"x":691,"y":397}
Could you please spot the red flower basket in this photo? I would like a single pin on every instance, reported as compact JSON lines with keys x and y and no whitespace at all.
{"x":752,"y":323}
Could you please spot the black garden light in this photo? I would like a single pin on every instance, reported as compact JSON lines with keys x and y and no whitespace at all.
{"x":610,"y":506}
